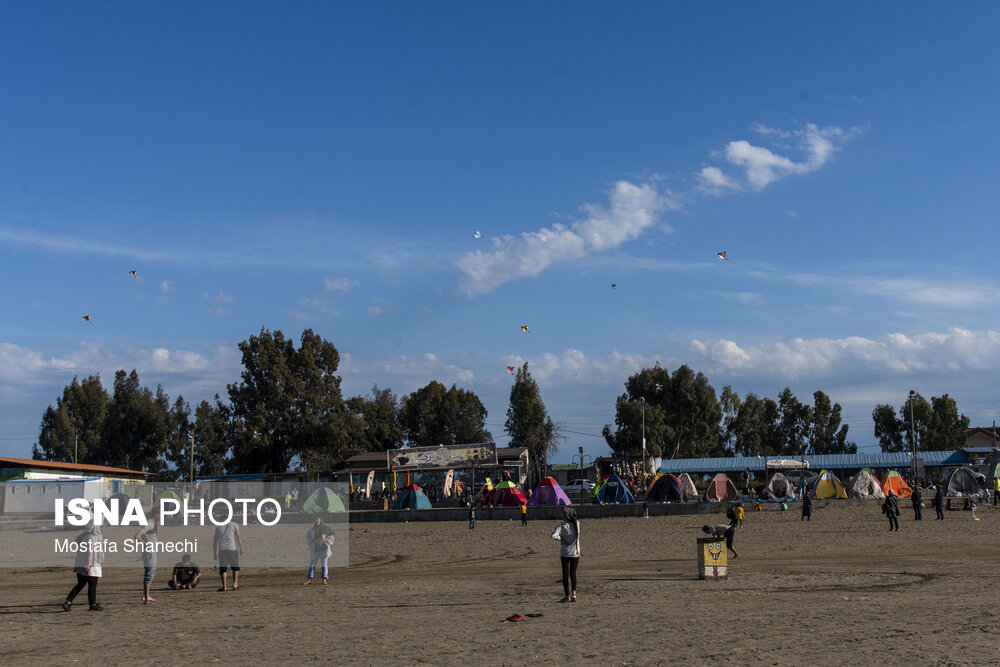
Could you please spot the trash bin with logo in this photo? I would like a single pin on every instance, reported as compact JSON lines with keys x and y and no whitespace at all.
{"x":712,"y":558}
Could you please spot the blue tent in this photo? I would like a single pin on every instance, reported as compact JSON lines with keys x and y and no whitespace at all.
{"x":412,"y":498}
{"x":614,"y":491}
{"x":666,"y":487}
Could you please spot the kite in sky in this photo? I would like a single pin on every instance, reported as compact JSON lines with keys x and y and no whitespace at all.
{"x":722,"y":255}
{"x":524,"y":328}
{"x":132,"y":273}
{"x":85,"y":318}
{"x":510,"y":369}
{"x":477,"y":235}
{"x":614,"y":285}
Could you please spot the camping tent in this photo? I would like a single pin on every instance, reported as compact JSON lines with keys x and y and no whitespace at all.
{"x":690,"y":490}
{"x":721,"y":488}
{"x":614,"y":491}
{"x":323,"y":501}
{"x":827,"y":486}
{"x":505,"y":493}
{"x":894,"y":482}
{"x":962,"y":482}
{"x":412,"y":498}
{"x":665,"y":488}
{"x":548,"y":492}
{"x":779,"y":488}
{"x":864,"y":485}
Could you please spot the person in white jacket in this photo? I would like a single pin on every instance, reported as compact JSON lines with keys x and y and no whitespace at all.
{"x":568,"y":534}
{"x":320,"y":539}
{"x":87,"y":567}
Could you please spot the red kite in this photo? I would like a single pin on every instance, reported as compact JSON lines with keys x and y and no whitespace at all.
{"x":132,"y":273}
{"x":510,"y":369}
{"x":85,"y":318}
{"x":722,"y":255}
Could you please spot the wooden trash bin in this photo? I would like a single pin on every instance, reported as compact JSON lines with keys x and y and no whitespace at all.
{"x":712,"y":553}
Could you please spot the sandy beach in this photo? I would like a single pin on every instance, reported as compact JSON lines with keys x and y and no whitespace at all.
{"x":840,"y":589}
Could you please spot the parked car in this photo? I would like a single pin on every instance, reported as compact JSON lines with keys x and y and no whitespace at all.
{"x":584,"y":485}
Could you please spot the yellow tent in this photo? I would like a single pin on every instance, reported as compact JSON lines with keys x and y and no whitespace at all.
{"x":827,"y":486}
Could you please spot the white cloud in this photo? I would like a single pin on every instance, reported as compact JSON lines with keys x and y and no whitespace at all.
{"x":573,"y":365}
{"x":953,"y":352}
{"x":166,"y":286}
{"x":632,"y":210}
{"x":375,"y":310}
{"x":340,"y":284}
{"x":403,"y":373}
{"x":761,"y":166}
{"x":791,"y":214}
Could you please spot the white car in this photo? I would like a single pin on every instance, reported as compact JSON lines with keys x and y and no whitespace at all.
{"x":584,"y":485}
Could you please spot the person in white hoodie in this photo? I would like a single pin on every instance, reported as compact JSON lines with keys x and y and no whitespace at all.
{"x":568,"y":534}
{"x":87,"y":567}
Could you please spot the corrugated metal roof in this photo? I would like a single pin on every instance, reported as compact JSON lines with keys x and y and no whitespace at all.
{"x":71,"y":467}
{"x":817,"y":462}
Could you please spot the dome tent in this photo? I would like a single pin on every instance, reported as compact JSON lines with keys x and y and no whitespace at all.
{"x":548,"y":492}
{"x":412,"y":498}
{"x":323,"y":501}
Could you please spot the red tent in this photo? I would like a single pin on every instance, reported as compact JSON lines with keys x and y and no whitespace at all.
{"x":505,"y":493}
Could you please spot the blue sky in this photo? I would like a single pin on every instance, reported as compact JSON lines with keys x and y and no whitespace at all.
{"x":325,"y":165}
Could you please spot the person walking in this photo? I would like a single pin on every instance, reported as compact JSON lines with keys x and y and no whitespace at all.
{"x":320,"y":540}
{"x":87,"y":567}
{"x":524,"y":514}
{"x":939,"y":502}
{"x":645,"y":509}
{"x":472,"y":516}
{"x":568,"y":535}
{"x":807,"y":508}
{"x":996,"y":491}
{"x":891,"y":510}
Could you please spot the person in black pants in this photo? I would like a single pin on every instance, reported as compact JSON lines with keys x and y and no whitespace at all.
{"x":939,"y":503}
{"x":807,"y":508}
{"x":568,"y":534}
{"x":87,"y":568}
{"x":915,"y":499}
{"x":891,"y":509}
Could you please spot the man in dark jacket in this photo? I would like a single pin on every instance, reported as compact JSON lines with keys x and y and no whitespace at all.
{"x":915,"y":499}
{"x":891,"y":510}
{"x":939,"y":502}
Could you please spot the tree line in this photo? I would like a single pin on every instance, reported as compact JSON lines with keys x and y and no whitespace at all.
{"x":287,"y":408}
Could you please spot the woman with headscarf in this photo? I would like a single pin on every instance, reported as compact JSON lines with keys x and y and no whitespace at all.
{"x":891,"y":510}
{"x":87,"y":567}
{"x":568,"y":534}
{"x":320,"y":539}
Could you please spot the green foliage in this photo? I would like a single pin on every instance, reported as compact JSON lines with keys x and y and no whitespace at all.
{"x":433,"y":415}
{"x":77,"y":421}
{"x":934,"y":425}
{"x":379,"y":414}
{"x":528,"y":423}
{"x":289,"y":404}
{"x":680,"y":410}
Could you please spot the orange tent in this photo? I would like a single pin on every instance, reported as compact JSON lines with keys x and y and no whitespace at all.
{"x":895,"y":483}
{"x":721,"y":488}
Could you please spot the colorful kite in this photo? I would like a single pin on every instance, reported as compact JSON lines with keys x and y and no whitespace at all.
{"x":614,"y":285}
{"x":510,"y":369}
{"x":721,"y":255}
{"x":132,"y":273}
{"x":524,"y":328}
{"x":477,"y":235}
{"x":85,"y":318}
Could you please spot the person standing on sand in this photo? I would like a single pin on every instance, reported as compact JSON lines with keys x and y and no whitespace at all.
{"x":915,"y":499}
{"x":939,"y":502}
{"x":227,"y":547}
{"x":524,"y":514}
{"x":568,"y":535}
{"x":87,"y":567}
{"x":807,"y":508}
{"x":891,"y":509}
{"x":148,"y":540}
{"x":472,"y":516}
{"x":320,"y":539}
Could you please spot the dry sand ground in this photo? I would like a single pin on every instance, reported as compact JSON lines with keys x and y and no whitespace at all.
{"x":838,"y":590}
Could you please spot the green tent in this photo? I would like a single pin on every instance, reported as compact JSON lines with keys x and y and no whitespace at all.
{"x":323,"y":501}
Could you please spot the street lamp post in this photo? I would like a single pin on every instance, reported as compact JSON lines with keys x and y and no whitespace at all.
{"x":913,"y":443}
{"x":643,"y":399}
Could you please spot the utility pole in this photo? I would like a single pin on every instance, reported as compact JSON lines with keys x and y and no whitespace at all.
{"x":191,"y":445}
{"x":76,"y":440}
{"x":643,"y":399}
{"x":913,"y":443}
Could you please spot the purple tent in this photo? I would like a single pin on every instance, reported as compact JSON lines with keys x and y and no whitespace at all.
{"x":548,"y":492}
